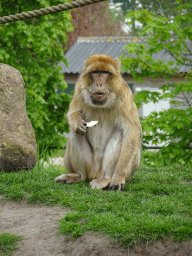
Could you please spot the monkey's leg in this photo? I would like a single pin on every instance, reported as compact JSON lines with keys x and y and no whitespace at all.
{"x":136,"y":162}
{"x":78,"y":159}
{"x":71,"y":177}
{"x":124,"y":167}
{"x":68,"y":178}
{"x":110,"y":159}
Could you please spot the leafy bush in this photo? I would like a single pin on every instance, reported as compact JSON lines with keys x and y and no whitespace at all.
{"x":34,"y":47}
{"x":172,"y":126}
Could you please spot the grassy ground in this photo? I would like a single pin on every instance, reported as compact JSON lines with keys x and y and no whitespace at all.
{"x":156,"y":203}
{"x":8,"y":243}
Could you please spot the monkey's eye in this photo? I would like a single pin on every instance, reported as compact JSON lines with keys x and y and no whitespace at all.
{"x":96,"y":72}
{"x":100,"y":72}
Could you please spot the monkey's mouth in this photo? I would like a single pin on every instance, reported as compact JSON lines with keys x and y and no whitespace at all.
{"x":98,"y":98}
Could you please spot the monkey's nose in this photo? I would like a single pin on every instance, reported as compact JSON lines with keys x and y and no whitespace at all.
{"x":99,"y":84}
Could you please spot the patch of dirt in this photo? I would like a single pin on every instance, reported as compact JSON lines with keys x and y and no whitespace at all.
{"x":39,"y":226}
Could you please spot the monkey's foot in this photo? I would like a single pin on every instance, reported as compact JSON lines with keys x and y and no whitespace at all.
{"x":68,"y":178}
{"x":117,"y":185}
{"x":117,"y":182}
{"x":120,"y":187}
{"x":100,"y":183}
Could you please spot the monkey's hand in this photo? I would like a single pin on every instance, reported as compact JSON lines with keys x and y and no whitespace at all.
{"x":80,"y":127}
{"x":76,"y":122}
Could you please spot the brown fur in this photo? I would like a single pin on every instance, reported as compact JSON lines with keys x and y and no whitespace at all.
{"x":110,"y":152}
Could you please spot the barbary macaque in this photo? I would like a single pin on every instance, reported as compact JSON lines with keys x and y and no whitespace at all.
{"x":108,"y":153}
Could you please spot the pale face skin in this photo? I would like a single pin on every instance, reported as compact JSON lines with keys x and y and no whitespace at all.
{"x":98,"y":94}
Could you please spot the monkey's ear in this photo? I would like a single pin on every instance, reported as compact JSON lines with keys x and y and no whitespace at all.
{"x":118,"y":64}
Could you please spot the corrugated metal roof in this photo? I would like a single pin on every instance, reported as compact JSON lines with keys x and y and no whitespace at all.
{"x":112,"y":46}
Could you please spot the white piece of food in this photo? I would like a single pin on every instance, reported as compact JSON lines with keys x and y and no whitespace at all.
{"x":92,"y":123}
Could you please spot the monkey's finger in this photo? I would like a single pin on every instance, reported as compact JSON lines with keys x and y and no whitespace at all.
{"x":84,"y":123}
{"x":82,"y":130}
{"x":121,"y":187}
{"x":110,"y":188}
{"x":113,"y":187}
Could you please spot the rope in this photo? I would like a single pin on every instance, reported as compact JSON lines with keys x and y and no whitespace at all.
{"x":48,"y":10}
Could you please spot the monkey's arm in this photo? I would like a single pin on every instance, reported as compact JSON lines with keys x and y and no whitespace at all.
{"x":75,"y":118}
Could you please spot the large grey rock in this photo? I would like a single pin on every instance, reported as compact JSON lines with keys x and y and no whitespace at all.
{"x":18,"y":149}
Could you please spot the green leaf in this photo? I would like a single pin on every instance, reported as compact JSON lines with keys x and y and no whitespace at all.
{"x":172,"y":126}
{"x":34,"y":47}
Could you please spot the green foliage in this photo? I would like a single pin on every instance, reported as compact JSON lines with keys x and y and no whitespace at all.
{"x":34,"y":47}
{"x":173,"y":126}
{"x":125,"y":4}
{"x":8,"y":243}
{"x":163,"y":7}
{"x":115,"y":16}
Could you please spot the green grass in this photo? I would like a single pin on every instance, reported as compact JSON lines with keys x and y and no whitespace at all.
{"x":156,"y":203}
{"x":8,"y":243}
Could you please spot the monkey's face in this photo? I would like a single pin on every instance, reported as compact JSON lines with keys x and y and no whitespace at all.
{"x":98,"y":94}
